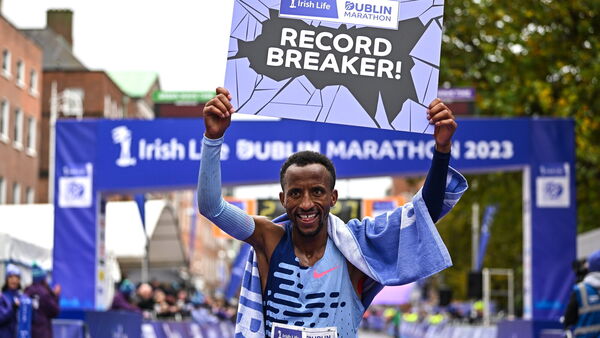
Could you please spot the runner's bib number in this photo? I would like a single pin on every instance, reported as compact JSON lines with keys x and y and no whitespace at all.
{"x":290,"y":331}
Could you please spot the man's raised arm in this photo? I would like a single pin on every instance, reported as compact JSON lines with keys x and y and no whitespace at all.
{"x":434,"y":188}
{"x":232,"y":220}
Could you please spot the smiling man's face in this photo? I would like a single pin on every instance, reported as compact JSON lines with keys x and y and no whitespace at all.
{"x":307,"y":197}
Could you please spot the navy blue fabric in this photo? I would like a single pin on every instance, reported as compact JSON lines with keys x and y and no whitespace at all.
{"x":435,"y":184}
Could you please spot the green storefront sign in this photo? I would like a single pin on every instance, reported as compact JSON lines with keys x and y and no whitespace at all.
{"x":180,"y":97}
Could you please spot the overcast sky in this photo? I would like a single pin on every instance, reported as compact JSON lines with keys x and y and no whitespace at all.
{"x":185,"y":41}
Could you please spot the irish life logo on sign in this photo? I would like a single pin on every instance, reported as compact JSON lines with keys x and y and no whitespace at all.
{"x":371,"y":63}
{"x":374,"y":13}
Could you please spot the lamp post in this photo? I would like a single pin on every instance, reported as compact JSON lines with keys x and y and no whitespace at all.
{"x":70,"y":103}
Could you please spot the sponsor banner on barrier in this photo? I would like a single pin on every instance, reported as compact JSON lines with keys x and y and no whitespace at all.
{"x":370,"y":63}
{"x":68,"y":328}
{"x":168,"y":329}
{"x":113,"y":324}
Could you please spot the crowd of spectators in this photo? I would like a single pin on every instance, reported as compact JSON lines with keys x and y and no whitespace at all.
{"x":43,"y":300}
{"x":171,"y":301}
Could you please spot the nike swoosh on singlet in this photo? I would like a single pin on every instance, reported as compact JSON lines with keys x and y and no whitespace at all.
{"x":321,"y":274}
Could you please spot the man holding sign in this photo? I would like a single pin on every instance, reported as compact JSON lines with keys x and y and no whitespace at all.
{"x":311,"y":274}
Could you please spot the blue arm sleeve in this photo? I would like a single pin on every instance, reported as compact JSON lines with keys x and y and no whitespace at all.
{"x":435,"y":184}
{"x":211,"y":204}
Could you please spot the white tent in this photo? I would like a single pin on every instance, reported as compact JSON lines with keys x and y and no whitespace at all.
{"x":125,"y":234}
{"x":27,"y":234}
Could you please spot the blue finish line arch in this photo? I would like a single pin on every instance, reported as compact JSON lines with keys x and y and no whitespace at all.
{"x":116,"y":156}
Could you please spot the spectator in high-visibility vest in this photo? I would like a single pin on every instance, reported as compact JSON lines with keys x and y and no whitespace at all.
{"x":410,"y":317}
{"x":476,"y":313}
{"x":435,"y":318}
{"x":583,"y":312}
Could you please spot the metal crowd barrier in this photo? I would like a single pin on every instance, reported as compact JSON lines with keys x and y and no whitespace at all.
{"x":130,"y":325}
{"x":424,"y":330}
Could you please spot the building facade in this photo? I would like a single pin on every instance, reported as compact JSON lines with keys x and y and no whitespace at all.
{"x":71,"y":90}
{"x":20,"y":114}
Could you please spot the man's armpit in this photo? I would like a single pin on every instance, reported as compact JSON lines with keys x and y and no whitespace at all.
{"x":266,"y":236}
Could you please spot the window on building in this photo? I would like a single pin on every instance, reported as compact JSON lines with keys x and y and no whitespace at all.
{"x":16,"y":193}
{"x":30,"y":196}
{"x":18,"y":130}
{"x":31,"y":136}
{"x":72,"y":102}
{"x":6,"y":63}
{"x":2,"y":190}
{"x":4,"y":109}
{"x":20,"y":73}
{"x":33,"y":85}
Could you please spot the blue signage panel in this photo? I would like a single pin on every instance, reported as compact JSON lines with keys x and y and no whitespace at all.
{"x":553,"y":217}
{"x":135,"y":154}
{"x":75,"y":215}
{"x":114,"y":324}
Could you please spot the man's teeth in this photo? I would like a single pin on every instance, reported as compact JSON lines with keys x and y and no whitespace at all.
{"x":307,"y":216}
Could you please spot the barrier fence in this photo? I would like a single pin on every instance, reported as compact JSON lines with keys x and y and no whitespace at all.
{"x":130,"y":325}
{"x":447,"y":330}
{"x":423,"y":330}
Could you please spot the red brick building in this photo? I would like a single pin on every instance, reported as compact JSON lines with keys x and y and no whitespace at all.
{"x":20,"y":114}
{"x":90,"y":93}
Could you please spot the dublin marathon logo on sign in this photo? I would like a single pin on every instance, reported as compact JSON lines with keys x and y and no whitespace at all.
{"x":374,"y":13}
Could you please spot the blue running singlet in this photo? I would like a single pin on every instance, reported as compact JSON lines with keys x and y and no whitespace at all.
{"x":313,"y":297}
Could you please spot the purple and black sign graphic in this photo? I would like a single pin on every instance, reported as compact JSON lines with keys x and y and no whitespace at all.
{"x":314,"y":62}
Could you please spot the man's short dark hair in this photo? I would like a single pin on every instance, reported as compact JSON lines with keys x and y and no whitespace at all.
{"x":304,"y":158}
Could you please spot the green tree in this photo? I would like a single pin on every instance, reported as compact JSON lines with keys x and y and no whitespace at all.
{"x":505,"y":246}
{"x":531,"y":58}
